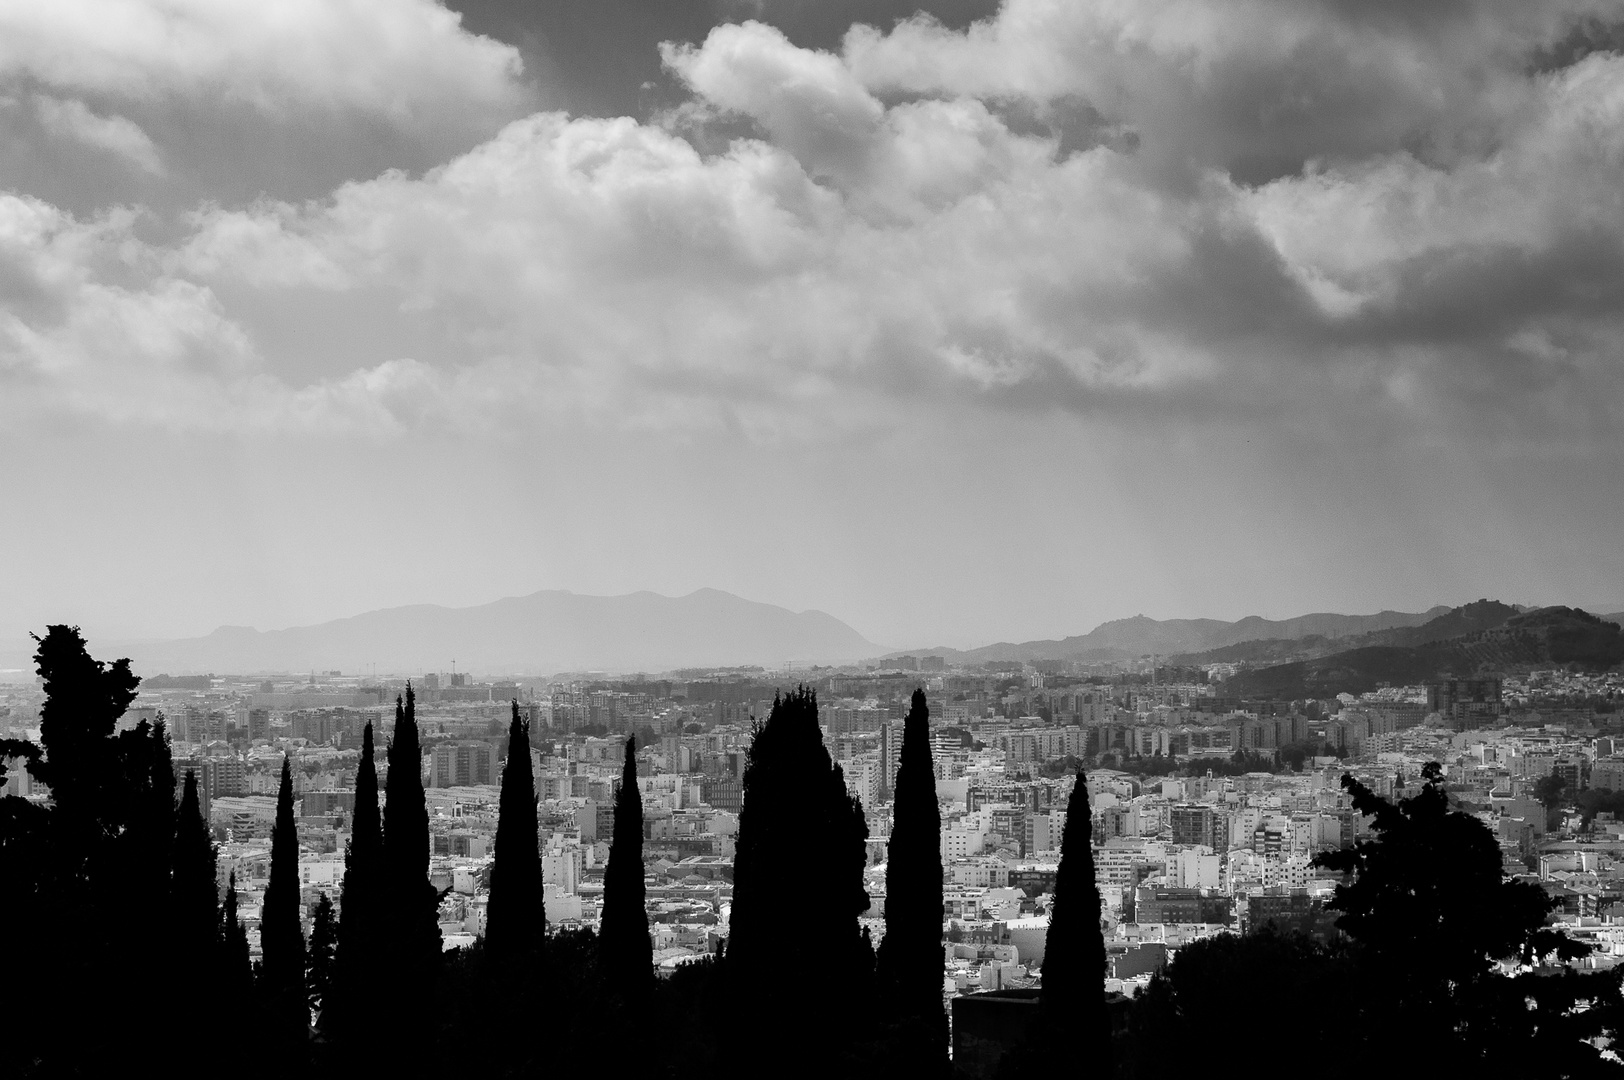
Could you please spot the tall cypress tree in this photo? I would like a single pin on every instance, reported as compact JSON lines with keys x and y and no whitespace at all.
{"x":282,"y":978}
{"x":624,"y":947}
{"x":516,"y":920}
{"x":910,"y":960}
{"x":194,"y":889}
{"x":411,"y":904}
{"x":1073,"y":995}
{"x":237,"y":970}
{"x":797,"y":814}
{"x":319,"y":961}
{"x":358,"y":961}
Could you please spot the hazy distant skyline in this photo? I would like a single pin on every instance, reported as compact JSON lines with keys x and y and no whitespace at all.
{"x":956,"y":332}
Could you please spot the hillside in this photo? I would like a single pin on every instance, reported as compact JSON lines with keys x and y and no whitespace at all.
{"x":544,"y":632}
{"x":1454,"y":622}
{"x":1552,"y":636}
{"x":1123,"y":639}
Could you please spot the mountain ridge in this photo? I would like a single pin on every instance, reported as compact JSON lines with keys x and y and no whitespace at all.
{"x":1544,"y":636}
{"x":1124,"y":639}
{"x":540,"y":633}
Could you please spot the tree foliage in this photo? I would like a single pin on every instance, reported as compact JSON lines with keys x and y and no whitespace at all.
{"x":623,"y":940}
{"x":1073,"y":995}
{"x":410,"y":904}
{"x":358,"y":962}
{"x":797,"y":815}
{"x":516,"y":920}
{"x":282,"y":977}
{"x":909,"y":964}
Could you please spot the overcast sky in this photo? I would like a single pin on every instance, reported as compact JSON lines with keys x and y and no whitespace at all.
{"x":995,"y":322}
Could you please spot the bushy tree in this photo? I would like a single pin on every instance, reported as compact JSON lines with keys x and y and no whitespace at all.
{"x":797,"y":815}
{"x":84,"y":869}
{"x":282,"y":977}
{"x":910,"y":959}
{"x":626,"y":953}
{"x":1457,"y":960}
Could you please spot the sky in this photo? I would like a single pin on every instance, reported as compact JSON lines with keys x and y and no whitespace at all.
{"x":977,"y":322}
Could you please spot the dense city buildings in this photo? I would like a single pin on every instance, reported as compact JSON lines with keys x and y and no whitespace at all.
{"x":1208,"y":809}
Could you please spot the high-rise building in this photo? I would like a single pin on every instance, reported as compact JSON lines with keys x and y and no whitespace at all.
{"x":460,"y":764}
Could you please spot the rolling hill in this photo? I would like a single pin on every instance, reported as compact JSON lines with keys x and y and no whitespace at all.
{"x":1551,"y":636}
{"x":1123,"y":639}
{"x":544,"y":632}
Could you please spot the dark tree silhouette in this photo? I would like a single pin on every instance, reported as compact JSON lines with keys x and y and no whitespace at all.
{"x":237,"y":974}
{"x":358,"y":962}
{"x":411,"y":905}
{"x":84,"y":869}
{"x":195,"y":891}
{"x":1073,"y":995}
{"x":319,"y":960}
{"x":282,"y":975}
{"x":910,"y":957}
{"x":1432,"y":915}
{"x":797,"y":814}
{"x":1192,"y":1009}
{"x":626,"y":953}
{"x":516,"y":919}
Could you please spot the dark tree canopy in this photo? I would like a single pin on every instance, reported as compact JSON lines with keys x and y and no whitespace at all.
{"x":910,"y":955}
{"x":623,"y":941}
{"x":1435,"y":923}
{"x":83,"y":869}
{"x":516,"y":920}
{"x":797,"y":814}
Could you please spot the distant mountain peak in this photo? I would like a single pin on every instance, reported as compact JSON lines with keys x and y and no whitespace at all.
{"x":540,"y":633}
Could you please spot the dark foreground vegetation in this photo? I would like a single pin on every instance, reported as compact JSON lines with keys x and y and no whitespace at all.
{"x":122,"y":951}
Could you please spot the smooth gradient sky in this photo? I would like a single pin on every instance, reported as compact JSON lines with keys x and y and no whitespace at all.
{"x":993,"y":322}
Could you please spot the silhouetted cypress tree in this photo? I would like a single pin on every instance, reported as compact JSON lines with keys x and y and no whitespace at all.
{"x":237,"y":974}
{"x":319,"y":961}
{"x":194,"y":890}
{"x":624,"y":947}
{"x":1073,"y":996}
{"x":910,"y":961}
{"x":516,"y":920}
{"x":357,"y":964}
{"x":282,"y":976}
{"x":412,"y":945}
{"x":797,"y":815}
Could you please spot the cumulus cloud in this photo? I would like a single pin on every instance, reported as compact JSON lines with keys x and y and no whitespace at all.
{"x":1331,"y":214}
{"x":398,"y":58}
{"x":227,"y":101}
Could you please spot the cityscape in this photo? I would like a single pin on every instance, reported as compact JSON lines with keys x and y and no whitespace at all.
{"x":1212,"y":813}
